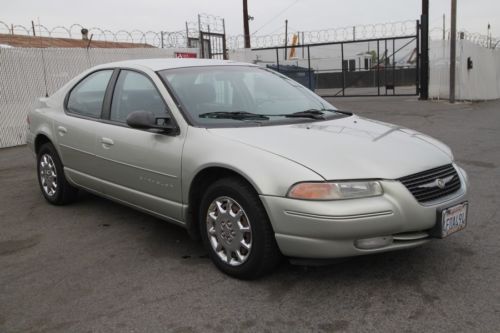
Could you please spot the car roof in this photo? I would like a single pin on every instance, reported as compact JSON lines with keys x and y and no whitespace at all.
{"x":159,"y":64}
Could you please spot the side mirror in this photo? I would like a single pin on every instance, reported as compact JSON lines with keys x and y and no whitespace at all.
{"x":146,"y":120}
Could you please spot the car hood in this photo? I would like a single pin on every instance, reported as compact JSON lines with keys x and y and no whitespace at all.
{"x":347,"y":148}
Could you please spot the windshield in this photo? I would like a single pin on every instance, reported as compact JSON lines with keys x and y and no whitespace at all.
{"x":235,"y":95}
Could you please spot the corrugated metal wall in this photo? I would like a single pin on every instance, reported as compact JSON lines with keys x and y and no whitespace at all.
{"x":22,"y":78}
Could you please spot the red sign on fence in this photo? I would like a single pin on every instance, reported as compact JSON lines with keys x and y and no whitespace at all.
{"x":185,"y":55}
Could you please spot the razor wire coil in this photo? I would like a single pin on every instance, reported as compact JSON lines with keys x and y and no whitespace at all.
{"x":215,"y":24}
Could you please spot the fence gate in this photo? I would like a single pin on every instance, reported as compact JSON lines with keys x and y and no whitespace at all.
{"x":213,"y":45}
{"x":388,"y":66}
{"x":208,"y":35}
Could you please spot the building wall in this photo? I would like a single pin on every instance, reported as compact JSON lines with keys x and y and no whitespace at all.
{"x":482,"y":82}
{"x":22,"y":79}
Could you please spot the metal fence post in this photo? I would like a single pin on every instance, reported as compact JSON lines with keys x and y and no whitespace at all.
{"x":343,"y":69}
{"x":417,"y":74}
{"x":303,"y":42}
{"x":309,"y":66}
{"x":286,"y":38}
{"x":224,"y":47}
{"x":378,"y":67}
{"x":277,"y":60}
{"x":424,"y":91}
{"x":385,"y":65}
{"x":394,"y":67}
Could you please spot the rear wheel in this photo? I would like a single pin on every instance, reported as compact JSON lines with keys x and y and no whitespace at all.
{"x":236,"y":230}
{"x":54,"y":186}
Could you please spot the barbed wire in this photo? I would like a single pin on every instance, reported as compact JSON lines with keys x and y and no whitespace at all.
{"x":206,"y":23}
{"x":212,"y":23}
{"x":366,"y":31}
{"x":473,"y":37}
{"x":164,"y":39}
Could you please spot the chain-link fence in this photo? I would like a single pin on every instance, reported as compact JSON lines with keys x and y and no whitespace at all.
{"x":28,"y":73}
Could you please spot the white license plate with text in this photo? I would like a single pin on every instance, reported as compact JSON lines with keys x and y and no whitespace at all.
{"x":453,"y":219}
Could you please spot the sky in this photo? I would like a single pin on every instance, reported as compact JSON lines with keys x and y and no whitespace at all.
{"x":303,"y":15}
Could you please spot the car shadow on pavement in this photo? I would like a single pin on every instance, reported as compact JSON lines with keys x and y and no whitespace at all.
{"x":161,"y":239}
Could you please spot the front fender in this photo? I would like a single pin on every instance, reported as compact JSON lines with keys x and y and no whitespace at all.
{"x":269,"y":173}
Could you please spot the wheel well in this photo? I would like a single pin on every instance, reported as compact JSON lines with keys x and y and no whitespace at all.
{"x":198,"y":186}
{"x":40,"y":140}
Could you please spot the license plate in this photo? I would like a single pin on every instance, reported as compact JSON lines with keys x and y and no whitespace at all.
{"x":453,"y":219}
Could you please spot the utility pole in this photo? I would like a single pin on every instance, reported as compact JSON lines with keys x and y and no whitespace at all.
{"x":444,"y":26}
{"x":489,"y":36}
{"x":453,"y":49}
{"x":424,"y":68}
{"x":246,"y":26}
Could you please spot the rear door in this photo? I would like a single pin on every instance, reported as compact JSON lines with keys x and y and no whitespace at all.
{"x":75,"y":129}
{"x":139,"y":167}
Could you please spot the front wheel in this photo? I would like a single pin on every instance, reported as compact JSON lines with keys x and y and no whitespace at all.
{"x":236,"y":230}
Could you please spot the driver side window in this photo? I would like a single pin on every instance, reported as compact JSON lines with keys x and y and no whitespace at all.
{"x":135,"y":92}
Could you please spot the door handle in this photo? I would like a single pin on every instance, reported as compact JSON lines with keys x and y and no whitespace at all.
{"x":107,"y":142}
{"x":62,"y":130}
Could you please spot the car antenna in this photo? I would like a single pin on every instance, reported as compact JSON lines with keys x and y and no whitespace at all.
{"x":43,"y":58}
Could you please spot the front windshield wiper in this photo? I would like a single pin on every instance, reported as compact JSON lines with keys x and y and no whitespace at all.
{"x":311,"y":113}
{"x":316,"y":114}
{"x":347,"y":113}
{"x":237,"y":115}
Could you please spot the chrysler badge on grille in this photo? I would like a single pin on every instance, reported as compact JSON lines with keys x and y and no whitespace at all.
{"x":439,"y":182}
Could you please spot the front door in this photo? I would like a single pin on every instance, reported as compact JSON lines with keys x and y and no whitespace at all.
{"x":139,"y":167}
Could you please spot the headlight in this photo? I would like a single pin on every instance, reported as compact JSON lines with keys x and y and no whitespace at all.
{"x":335,"y":190}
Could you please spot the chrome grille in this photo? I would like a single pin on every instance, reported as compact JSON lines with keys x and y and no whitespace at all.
{"x":424,"y":185}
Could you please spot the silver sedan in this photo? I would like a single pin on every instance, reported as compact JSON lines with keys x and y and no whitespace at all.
{"x":246,"y":159}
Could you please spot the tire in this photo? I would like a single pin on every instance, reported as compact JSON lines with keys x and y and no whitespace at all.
{"x":247,"y":224}
{"x":53,"y":184}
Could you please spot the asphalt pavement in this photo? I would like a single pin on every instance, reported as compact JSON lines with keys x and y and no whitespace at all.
{"x":96,"y":266}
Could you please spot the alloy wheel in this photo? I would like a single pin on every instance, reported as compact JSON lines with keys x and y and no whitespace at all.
{"x":229,"y":231}
{"x":48,"y":175}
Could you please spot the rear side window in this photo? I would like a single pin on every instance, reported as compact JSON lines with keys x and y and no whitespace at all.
{"x":87,"y":97}
{"x":135,"y":92}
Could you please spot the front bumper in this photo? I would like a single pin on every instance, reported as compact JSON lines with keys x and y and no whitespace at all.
{"x":344,"y":228}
